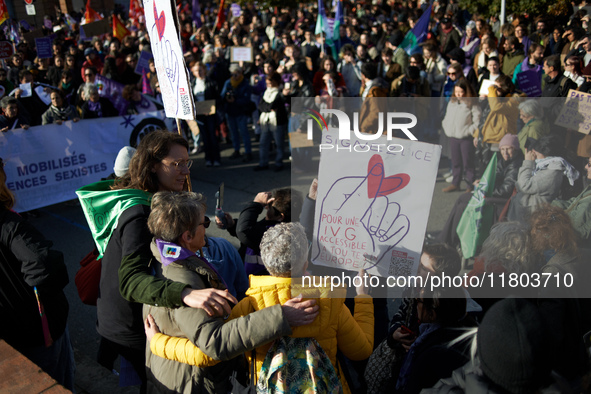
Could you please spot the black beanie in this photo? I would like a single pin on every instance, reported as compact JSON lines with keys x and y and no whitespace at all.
{"x":513,"y":346}
{"x":396,"y":38}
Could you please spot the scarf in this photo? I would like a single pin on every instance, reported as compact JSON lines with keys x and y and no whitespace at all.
{"x":484,"y":58}
{"x":61,"y":113}
{"x":102,"y":208}
{"x":569,"y":171}
{"x":269,"y":119}
{"x":95,"y":107}
{"x":171,"y":252}
{"x":236,"y":81}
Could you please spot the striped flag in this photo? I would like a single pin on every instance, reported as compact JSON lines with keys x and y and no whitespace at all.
{"x":146,"y":88}
{"x":418,"y":34}
{"x":339,"y":19}
{"x":3,"y":12}
{"x":322,"y":22}
{"x":91,"y":15}
{"x":119,"y":29}
{"x":476,"y":221}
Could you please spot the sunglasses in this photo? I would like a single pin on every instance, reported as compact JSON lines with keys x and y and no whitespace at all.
{"x":206,"y":222}
{"x":88,"y":74}
{"x":451,"y":73}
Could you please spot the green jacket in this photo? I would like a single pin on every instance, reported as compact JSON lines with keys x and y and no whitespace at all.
{"x":579,"y":210}
{"x":219,"y":340}
{"x":535,"y":128}
{"x":511,"y":61}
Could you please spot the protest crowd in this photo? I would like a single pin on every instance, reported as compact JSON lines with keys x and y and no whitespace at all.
{"x":191,"y":313}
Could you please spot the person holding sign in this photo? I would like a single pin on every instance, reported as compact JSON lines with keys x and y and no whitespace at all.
{"x":533,"y":61}
{"x":59,"y":111}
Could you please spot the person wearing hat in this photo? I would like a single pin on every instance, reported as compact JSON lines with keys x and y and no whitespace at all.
{"x":449,"y":37}
{"x":399,"y":54}
{"x":511,"y":353}
{"x":92,"y":60}
{"x":508,"y":164}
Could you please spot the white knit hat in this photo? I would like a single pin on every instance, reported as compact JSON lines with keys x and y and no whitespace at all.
{"x":122,"y":160}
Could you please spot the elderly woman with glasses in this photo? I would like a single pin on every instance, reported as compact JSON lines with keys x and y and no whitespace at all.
{"x":161,"y":163}
{"x":178,"y":223}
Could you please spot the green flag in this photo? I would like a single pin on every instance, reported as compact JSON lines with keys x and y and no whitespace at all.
{"x":476,"y":221}
{"x":103,"y":206}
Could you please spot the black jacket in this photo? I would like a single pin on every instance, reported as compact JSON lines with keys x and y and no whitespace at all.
{"x":507,"y":172}
{"x":26,"y":260}
{"x":278,"y":105}
{"x":107,"y":110}
{"x":250,"y":231}
{"x":558,"y":86}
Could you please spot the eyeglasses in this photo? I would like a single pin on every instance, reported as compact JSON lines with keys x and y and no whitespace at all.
{"x":206,"y":222}
{"x":179,"y":165}
{"x":88,"y":74}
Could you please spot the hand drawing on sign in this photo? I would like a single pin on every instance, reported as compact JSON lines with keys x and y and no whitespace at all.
{"x":166,"y":56}
{"x":356,"y":207}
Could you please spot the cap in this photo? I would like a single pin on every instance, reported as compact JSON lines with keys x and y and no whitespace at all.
{"x":122,"y":161}
{"x":89,"y":51}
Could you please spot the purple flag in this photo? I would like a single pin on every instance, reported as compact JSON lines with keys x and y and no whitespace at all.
{"x":197,"y":14}
{"x":112,"y":90}
{"x":146,"y":88}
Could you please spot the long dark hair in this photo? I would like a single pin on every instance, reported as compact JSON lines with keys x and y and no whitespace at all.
{"x":152,"y":149}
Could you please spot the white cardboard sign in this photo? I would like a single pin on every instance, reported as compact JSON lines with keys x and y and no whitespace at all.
{"x":373,"y":205}
{"x":162,"y":25}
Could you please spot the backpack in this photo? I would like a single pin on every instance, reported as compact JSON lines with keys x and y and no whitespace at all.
{"x":297,"y":365}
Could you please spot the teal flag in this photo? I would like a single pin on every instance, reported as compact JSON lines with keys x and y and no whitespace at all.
{"x":477,"y":219}
{"x":417,"y":34}
{"x":102,"y":208}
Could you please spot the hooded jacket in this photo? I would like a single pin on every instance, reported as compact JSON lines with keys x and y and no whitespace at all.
{"x":502,"y":118}
{"x":536,"y":189}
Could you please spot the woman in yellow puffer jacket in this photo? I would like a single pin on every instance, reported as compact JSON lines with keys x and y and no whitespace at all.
{"x":334,"y":328}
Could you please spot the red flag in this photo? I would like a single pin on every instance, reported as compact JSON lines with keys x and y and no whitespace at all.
{"x":136,"y":13}
{"x":91,"y":15}
{"x":221,"y":16}
{"x":119,"y":29}
{"x":3,"y":12}
{"x":146,"y":88}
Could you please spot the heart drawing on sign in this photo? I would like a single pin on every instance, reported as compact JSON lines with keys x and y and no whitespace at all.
{"x":160,"y":22}
{"x":379,"y":185}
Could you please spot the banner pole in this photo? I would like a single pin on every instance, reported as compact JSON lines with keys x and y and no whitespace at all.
{"x":178,"y":128}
